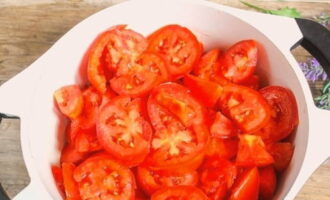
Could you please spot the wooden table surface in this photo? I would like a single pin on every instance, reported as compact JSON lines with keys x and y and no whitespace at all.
{"x":29,"y":27}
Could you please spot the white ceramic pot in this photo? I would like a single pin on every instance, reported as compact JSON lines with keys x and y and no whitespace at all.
{"x":29,"y":95}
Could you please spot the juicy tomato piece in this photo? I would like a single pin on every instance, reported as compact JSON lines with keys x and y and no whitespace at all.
{"x":207,"y":92}
{"x":223,"y":127}
{"x":217,"y":177}
{"x":252,"y":82}
{"x":179,"y":193}
{"x":267,"y":182}
{"x":109,"y":50}
{"x":151,"y":180}
{"x":107,"y":97}
{"x":224,"y":148}
{"x":86,"y":141}
{"x":179,"y":46}
{"x":282,"y":154}
{"x":252,"y":152}
{"x":139,"y":195}
{"x":71,"y":155}
{"x":208,"y":65}
{"x":247,"y":186}
{"x":238,"y":63}
{"x":284,"y":114}
{"x":180,"y":132}
{"x":123,"y":132}
{"x":69,"y":100}
{"x":102,"y":178}
{"x":70,"y":185}
{"x":58,"y":177}
{"x":246,"y":107}
{"x":138,"y":78}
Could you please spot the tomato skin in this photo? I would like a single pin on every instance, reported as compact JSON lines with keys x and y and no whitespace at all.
{"x":70,"y":185}
{"x":179,"y":192}
{"x":238,"y":63}
{"x":208,"y":65}
{"x":58,"y":177}
{"x":223,"y":127}
{"x":69,"y":100}
{"x":267,"y":182}
{"x":179,"y":46}
{"x":282,"y":154}
{"x":252,"y":82}
{"x":116,"y":121}
{"x":151,"y":180}
{"x":284,"y":114}
{"x":224,"y":148}
{"x":246,"y":107}
{"x":71,"y":155}
{"x":207,"y":92}
{"x":252,"y":152}
{"x":247,"y":186}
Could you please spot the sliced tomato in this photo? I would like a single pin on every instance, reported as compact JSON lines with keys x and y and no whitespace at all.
{"x":137,"y":78}
{"x":71,"y":155}
{"x":247,"y":186}
{"x":238,"y":63}
{"x":86,"y":141}
{"x":284,"y":114}
{"x":109,"y":50}
{"x":217,"y":177}
{"x":282,"y":154}
{"x":139,"y":195}
{"x":180,"y":132}
{"x":70,"y":185}
{"x":179,"y":193}
{"x":246,"y":107}
{"x":207,"y":92}
{"x":69,"y":100}
{"x":102,"y":178}
{"x":179,"y":46}
{"x":224,"y":148}
{"x":252,"y":82}
{"x":58,"y":177}
{"x":223,"y":127}
{"x":123,"y":132}
{"x":252,"y":152}
{"x":267,"y":182}
{"x":208,"y":65}
{"x":151,"y":180}
{"x":107,"y":97}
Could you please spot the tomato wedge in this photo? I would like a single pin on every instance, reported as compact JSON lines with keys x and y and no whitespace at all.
{"x":267,"y":182}
{"x":58,"y":177}
{"x":282,"y":154}
{"x":139,"y":77}
{"x":223,"y":127}
{"x":179,"y":46}
{"x":208,"y":65}
{"x":238,"y":63}
{"x":151,"y":180}
{"x":123,"y":132}
{"x":245,"y":106}
{"x":179,"y":193}
{"x":207,"y":92}
{"x":252,"y":152}
{"x":86,"y":141}
{"x":70,"y":185}
{"x":102,"y":178}
{"x":224,"y":148}
{"x":284,"y":114}
{"x":252,"y":82}
{"x":71,"y":155}
{"x":247,"y":186}
{"x":69,"y":100}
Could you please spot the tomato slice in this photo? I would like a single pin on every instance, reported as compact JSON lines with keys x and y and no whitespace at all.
{"x":70,"y":185}
{"x":252,"y":82}
{"x":247,"y":186}
{"x":207,"y":92}
{"x":151,"y":180}
{"x":86,"y":141}
{"x":224,"y":148}
{"x":71,"y":155}
{"x":102,"y":178}
{"x":267,"y":182}
{"x":179,"y":193}
{"x":138,"y":78}
{"x":282,"y":154}
{"x":208,"y":65}
{"x":238,"y":63}
{"x":180,"y":131}
{"x":246,"y":107}
{"x":58,"y":177}
{"x":123,"y":132}
{"x":223,"y":127}
{"x":284,"y":114}
{"x":179,"y":46}
{"x":69,"y":100}
{"x":252,"y":152}
{"x":217,"y":177}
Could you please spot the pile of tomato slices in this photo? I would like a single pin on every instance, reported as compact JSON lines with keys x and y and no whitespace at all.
{"x":161,"y":119}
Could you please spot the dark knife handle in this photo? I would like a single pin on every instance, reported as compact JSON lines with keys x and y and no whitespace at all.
{"x":316,"y":40}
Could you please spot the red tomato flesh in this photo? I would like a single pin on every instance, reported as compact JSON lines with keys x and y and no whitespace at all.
{"x":223,"y":127}
{"x":179,"y":193}
{"x":267,"y":182}
{"x":282,"y":154}
{"x":208,"y":65}
{"x":70,"y":185}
